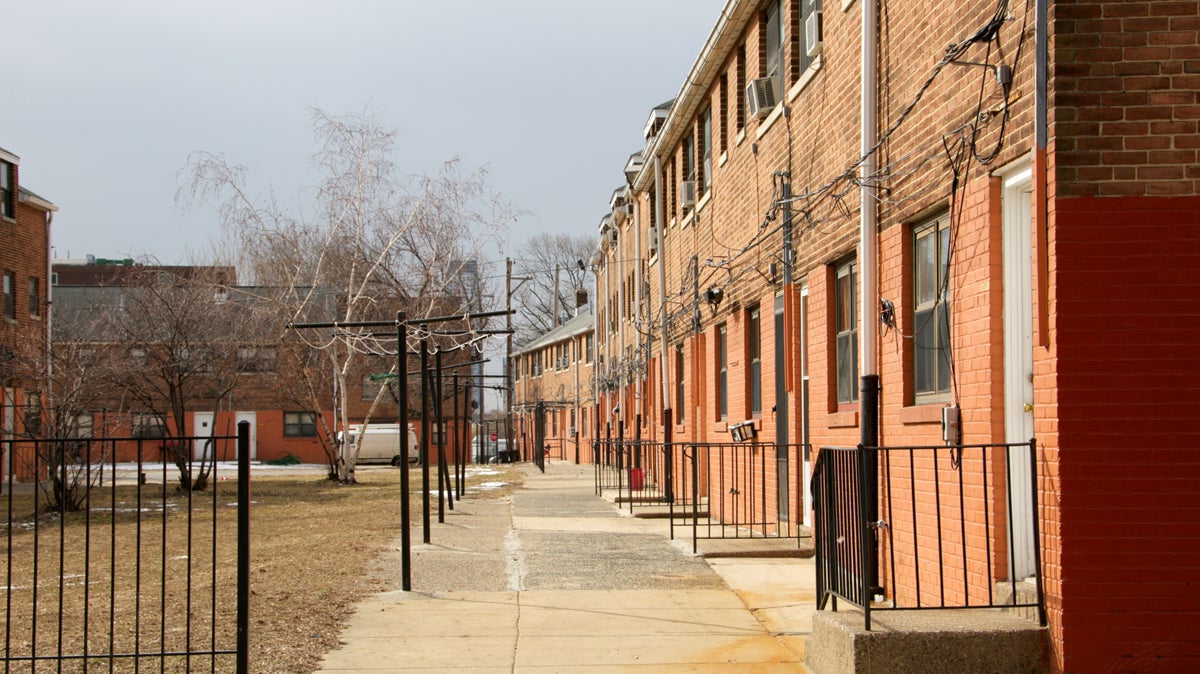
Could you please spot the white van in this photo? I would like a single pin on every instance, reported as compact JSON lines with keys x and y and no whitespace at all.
{"x":381,"y":444}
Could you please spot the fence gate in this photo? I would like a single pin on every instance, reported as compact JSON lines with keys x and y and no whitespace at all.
{"x":133,"y":573}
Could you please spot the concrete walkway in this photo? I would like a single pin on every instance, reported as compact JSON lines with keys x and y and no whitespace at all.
{"x":556,"y":579}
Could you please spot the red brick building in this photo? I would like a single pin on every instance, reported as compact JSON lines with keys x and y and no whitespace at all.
{"x":25,"y":220}
{"x":270,"y":376}
{"x":1032,"y":243}
{"x":553,"y":384}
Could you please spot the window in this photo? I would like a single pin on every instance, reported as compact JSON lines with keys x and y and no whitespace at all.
{"x":80,"y":426}
{"x":145,"y":425}
{"x":772,"y":64}
{"x":371,"y":387}
{"x":723,"y":112}
{"x":591,"y":346}
{"x":846,"y":322}
{"x":7,"y":197}
{"x":704,"y":141}
{"x":931,"y":325}
{"x":803,"y":60}
{"x":741,"y":87}
{"x":689,"y":159}
{"x":9,"y":284}
{"x":32,"y":418}
{"x":679,"y":384}
{"x":256,"y":359}
{"x":299,"y":424}
{"x":722,"y":372}
{"x":35,"y":297}
{"x":754,"y":359}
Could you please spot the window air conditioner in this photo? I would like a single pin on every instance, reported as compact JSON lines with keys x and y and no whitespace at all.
{"x":812,"y":34}
{"x":687,"y":193}
{"x":760,"y":97}
{"x":652,"y":239}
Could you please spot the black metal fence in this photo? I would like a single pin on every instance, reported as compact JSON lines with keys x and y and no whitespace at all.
{"x":712,"y":490}
{"x":737,"y":490}
{"x":135,"y":572}
{"x":946,"y":527}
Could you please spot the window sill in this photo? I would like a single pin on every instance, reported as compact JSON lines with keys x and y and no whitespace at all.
{"x":704,"y":200}
{"x":847,"y":419}
{"x":722,"y":159}
{"x":921,"y":414}
{"x":847,"y":4}
{"x":741,"y":136}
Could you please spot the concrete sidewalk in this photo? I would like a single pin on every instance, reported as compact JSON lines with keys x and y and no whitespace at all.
{"x":556,"y":579}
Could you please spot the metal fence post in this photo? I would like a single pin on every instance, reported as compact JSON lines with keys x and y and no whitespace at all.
{"x":243,"y":555}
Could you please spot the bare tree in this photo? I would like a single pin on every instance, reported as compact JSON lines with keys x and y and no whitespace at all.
{"x":181,"y":342}
{"x":540,"y":259}
{"x":372,"y":240}
{"x":72,"y":380}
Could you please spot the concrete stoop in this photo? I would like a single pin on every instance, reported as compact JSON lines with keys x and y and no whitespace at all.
{"x":933,"y":641}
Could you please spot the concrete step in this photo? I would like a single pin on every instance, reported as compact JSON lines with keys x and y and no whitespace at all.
{"x":918,"y":641}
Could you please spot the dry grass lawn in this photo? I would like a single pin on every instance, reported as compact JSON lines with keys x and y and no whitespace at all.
{"x":312,"y":547}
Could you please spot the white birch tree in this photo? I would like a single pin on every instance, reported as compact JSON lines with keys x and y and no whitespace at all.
{"x":370,"y":242}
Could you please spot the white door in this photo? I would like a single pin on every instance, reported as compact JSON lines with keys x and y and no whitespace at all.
{"x":201,"y":429}
{"x":1017,"y":224}
{"x":239,"y":417}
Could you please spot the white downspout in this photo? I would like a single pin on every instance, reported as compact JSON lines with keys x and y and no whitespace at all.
{"x":868,"y":305}
{"x":662,"y":298}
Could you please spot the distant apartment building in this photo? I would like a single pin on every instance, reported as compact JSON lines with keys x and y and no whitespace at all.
{"x":554,"y":393}
{"x":233,"y":345}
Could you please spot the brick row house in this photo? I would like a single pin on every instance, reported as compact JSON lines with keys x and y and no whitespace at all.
{"x":999,"y":241}
{"x":266,"y":374}
{"x":25,"y":221}
{"x":554,"y":392}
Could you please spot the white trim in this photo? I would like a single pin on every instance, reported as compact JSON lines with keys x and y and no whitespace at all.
{"x":9,"y":157}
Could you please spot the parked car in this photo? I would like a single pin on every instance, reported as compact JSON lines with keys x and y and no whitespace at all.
{"x":381,"y":444}
{"x":496,"y":451}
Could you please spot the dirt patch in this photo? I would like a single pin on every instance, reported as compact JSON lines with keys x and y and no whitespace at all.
{"x":313,"y":548}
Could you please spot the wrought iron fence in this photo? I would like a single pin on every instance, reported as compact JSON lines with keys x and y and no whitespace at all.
{"x":712,"y":490}
{"x":737,"y":490}
{"x":132,"y":571}
{"x":946,"y":521}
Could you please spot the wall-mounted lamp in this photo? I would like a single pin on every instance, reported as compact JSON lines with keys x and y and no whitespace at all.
{"x":713,"y":296}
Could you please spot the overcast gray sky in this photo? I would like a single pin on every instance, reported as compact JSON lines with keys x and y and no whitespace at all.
{"x":105,"y":100}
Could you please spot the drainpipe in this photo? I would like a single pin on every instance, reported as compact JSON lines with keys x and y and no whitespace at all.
{"x":868,"y":305}
{"x":624,"y":414}
{"x":49,"y":328}
{"x":667,"y":421}
{"x":1040,"y":179}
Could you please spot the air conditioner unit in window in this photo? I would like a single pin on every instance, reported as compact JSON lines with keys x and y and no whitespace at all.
{"x":812,"y":34}
{"x":687,"y":193}
{"x":760,"y":96}
{"x":652,"y":239}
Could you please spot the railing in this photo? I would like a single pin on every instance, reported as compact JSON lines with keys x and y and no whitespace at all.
{"x":636,"y":469}
{"x":945,"y":523}
{"x":735,"y":490}
{"x":110,"y":566}
{"x":712,"y":490}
